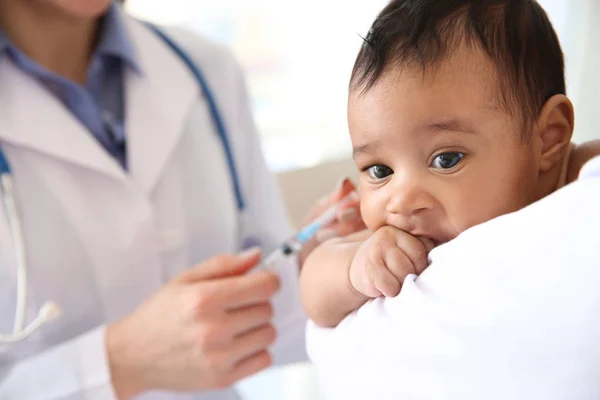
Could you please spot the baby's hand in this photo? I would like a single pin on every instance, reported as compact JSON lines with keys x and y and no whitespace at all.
{"x":385,"y":259}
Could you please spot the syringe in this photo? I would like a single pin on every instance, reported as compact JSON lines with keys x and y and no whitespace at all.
{"x":294,"y":244}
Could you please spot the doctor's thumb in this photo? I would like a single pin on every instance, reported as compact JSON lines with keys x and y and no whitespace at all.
{"x":223,"y":266}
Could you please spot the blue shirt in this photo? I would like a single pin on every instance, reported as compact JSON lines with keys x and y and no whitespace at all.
{"x":100,"y":103}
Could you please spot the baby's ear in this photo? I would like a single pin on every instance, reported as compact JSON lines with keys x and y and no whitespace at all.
{"x":554,"y":130}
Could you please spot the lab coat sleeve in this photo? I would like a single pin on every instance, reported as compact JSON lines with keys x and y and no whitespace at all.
{"x":77,"y":369}
{"x":509,"y":309}
{"x":267,"y":218}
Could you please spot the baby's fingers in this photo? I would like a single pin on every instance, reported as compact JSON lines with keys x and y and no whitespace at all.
{"x":399,"y":264}
{"x":416,"y":250}
{"x":386,"y":282}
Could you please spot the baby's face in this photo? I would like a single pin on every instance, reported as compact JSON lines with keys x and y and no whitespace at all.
{"x":437,"y":154}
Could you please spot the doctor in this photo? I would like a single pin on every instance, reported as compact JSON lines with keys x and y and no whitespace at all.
{"x":134,"y":183}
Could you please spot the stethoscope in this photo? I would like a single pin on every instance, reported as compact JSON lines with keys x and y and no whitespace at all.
{"x":50,"y":310}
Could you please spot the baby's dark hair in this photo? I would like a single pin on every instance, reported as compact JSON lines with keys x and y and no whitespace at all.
{"x":515,"y":34}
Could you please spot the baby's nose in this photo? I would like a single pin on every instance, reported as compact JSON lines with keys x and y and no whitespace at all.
{"x":409,"y":197}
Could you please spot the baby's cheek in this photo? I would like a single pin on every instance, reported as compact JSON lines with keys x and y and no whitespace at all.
{"x":486,"y":209}
{"x":372,"y":212}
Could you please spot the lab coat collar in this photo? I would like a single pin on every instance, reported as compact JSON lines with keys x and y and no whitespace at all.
{"x":114,"y":38}
{"x":32,"y":118}
{"x":157,"y":102}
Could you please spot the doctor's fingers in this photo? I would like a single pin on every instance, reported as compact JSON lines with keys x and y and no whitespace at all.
{"x":252,"y":342}
{"x":222,"y":266}
{"x":222,"y":330}
{"x":249,"y":356}
{"x":250,"y":366}
{"x":343,"y":188}
{"x":247,"y":319}
{"x":226,"y":357}
{"x":235,"y":292}
{"x":244,"y":355}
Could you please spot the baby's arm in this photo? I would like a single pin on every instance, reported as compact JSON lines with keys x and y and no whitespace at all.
{"x":343,"y":274}
{"x":325,"y":288}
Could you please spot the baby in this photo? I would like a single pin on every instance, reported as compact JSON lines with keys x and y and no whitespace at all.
{"x":457,"y":115}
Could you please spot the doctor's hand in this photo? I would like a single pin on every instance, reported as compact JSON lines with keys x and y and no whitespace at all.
{"x":383,"y":261}
{"x":207,"y":329}
{"x":348,"y":218}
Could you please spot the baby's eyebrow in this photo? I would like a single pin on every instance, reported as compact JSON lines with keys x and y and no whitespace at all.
{"x":451,"y":125}
{"x":447,"y":125}
{"x":364,"y":148}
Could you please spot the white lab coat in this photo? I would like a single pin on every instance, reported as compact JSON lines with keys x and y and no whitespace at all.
{"x":99,"y":240}
{"x":508,"y":310}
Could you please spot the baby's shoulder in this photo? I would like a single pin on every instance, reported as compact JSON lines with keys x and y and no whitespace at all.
{"x":581,"y":154}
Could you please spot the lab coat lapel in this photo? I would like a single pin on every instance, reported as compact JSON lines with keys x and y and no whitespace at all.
{"x":31,"y":117}
{"x":158,"y":101}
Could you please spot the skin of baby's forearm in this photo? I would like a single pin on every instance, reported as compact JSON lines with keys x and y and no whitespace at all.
{"x":325,"y":288}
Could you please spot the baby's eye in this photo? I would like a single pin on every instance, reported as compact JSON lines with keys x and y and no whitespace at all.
{"x":379,"y":171}
{"x":447,"y":160}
